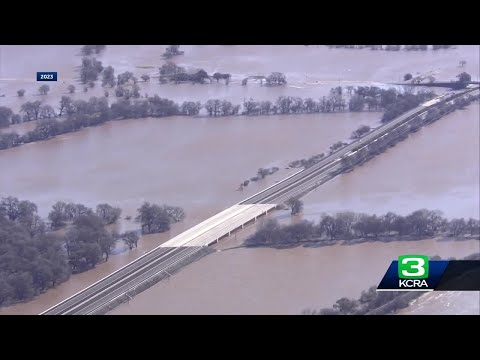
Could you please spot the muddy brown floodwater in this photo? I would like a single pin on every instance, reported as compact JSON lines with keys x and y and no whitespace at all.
{"x":311,"y":71}
{"x":198,"y":163}
{"x":437,"y":167}
{"x":272,"y":281}
{"x":287,"y":281}
{"x":194,"y":163}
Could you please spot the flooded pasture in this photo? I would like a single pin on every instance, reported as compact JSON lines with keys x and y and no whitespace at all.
{"x":198,"y":163}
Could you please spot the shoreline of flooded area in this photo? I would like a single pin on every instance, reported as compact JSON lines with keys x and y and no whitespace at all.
{"x":270,"y":281}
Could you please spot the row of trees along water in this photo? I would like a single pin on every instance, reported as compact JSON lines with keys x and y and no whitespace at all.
{"x":91,"y":69}
{"x":359,"y":99}
{"x":350,"y":226}
{"x":263,"y":172}
{"x":393,"y":47}
{"x":37,"y":254}
{"x":72,"y":115}
{"x":383,"y":302}
{"x":394,"y":110}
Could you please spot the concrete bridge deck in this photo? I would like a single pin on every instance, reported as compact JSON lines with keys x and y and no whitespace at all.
{"x":220,"y":225}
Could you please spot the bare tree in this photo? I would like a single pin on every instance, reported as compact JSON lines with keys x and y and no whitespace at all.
{"x":457,"y":226}
{"x":172,"y":50}
{"x":296,"y":205}
{"x":31,"y":110}
{"x":108,"y":76}
{"x":66,"y":105}
{"x":5,"y":116}
{"x":108,"y":213}
{"x":47,"y":112}
{"x":44,"y":89}
{"x":175,"y":213}
{"x":130,"y":238}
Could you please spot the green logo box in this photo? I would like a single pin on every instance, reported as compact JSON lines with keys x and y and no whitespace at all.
{"x":413,"y":267}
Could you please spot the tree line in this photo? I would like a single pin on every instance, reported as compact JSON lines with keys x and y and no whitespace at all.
{"x":171,"y":72}
{"x":385,"y":302}
{"x":396,"y":105}
{"x":262,"y":173}
{"x":404,"y":104}
{"x":392,"y":47}
{"x":349,"y":226}
{"x":79,"y":114}
{"x":312,"y":160}
{"x":391,"y":101}
{"x":360,"y":99}
{"x":463,"y":77}
{"x":35,"y":257}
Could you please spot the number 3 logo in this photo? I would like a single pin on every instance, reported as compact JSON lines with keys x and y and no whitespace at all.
{"x":413,"y":266}
{"x":418,"y":267}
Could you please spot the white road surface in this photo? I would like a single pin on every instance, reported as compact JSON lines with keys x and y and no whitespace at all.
{"x":210,"y":230}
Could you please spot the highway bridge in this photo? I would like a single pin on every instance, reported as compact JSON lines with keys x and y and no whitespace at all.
{"x":194,"y":243}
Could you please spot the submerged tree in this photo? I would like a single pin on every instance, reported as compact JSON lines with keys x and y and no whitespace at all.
{"x":44,"y":89}
{"x":108,"y":76}
{"x":153,"y":218}
{"x":172,"y":50}
{"x":276,"y":78}
{"x":464,"y":77}
{"x":108,"y":213}
{"x":5,"y":116}
{"x":296,"y":205}
{"x":130,"y":238}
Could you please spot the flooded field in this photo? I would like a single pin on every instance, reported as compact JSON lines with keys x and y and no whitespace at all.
{"x":311,"y":71}
{"x":436,"y":168}
{"x":198,"y":163}
{"x":194,"y":163}
{"x":272,"y":281}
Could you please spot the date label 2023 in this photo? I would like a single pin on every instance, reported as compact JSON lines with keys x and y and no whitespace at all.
{"x":46,"y":76}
